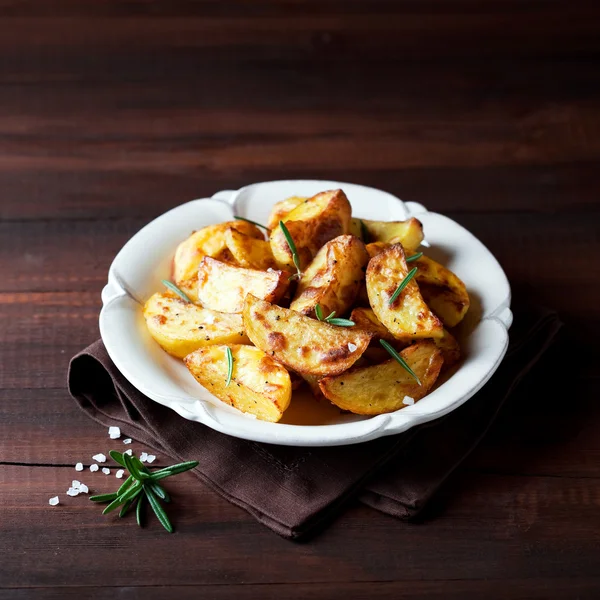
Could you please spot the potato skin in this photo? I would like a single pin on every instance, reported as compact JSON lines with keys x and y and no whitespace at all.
{"x":249,"y":252}
{"x":333,"y":278}
{"x":408,"y":317}
{"x":259,"y":385}
{"x":180,"y":327}
{"x":311,"y":225}
{"x":208,"y":241}
{"x":282,"y":209}
{"x":381,"y":388}
{"x":302,"y":344}
{"x":442,"y":290}
{"x":224,"y":287}
{"x":408,"y":233}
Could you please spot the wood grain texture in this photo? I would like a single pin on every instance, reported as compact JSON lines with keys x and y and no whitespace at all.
{"x":113,"y":112}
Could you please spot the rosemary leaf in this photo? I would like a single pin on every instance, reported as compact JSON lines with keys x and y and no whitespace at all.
{"x":253,"y":222}
{"x":400,"y":360}
{"x":229,"y":365}
{"x":292,"y":246}
{"x":125,"y":485}
{"x":175,"y":289}
{"x":117,"y":457}
{"x":125,"y":508}
{"x":159,"y":511}
{"x":173,"y":470}
{"x":160,"y":491}
{"x":403,"y":284}
{"x":341,"y":322}
{"x":416,"y":256}
{"x":138,"y":510}
{"x":104,"y":497}
{"x":319,"y":312}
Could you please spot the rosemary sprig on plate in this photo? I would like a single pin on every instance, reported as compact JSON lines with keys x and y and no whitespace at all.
{"x":416,"y":256}
{"x":292,"y":246}
{"x":253,"y":222}
{"x":141,"y":484}
{"x":331,"y":319}
{"x":402,"y":285}
{"x":229,"y":365}
{"x":175,"y":289}
{"x":399,"y":359}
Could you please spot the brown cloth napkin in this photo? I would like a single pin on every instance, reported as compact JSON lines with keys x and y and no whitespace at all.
{"x":296,"y":491}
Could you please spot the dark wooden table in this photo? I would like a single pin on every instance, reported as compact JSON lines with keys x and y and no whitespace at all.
{"x":112,"y":112}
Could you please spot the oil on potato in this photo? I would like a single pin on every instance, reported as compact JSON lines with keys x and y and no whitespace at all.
{"x":249,"y":252}
{"x":208,"y":241}
{"x":408,"y":317}
{"x":224,"y":287}
{"x":382,"y":388}
{"x":442,"y":290}
{"x":408,"y":233}
{"x":311,"y":225}
{"x":303,"y":344}
{"x":259,"y":385}
{"x":282,"y":209}
{"x":333,"y":278}
{"x":180,"y":327}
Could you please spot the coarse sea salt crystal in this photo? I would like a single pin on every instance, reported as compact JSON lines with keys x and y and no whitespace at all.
{"x":127,"y":441}
{"x":72,"y":492}
{"x":209,"y":320}
{"x":114,"y":433}
{"x":106,"y":470}
{"x":75,"y":484}
{"x":84,"y":489}
{"x":151,"y":458}
{"x":99,"y":458}
{"x":53,"y":501}
{"x":79,"y":467}
{"x":352,"y":347}
{"x":144,"y":456}
{"x":94,"y":468}
{"x":130,"y":452}
{"x":119,"y":474}
{"x":408,"y":400}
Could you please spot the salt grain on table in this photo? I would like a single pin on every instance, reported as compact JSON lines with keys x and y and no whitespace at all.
{"x":72,"y":492}
{"x":127,"y":441}
{"x":130,"y":452}
{"x":151,"y":458}
{"x":94,"y":468}
{"x":79,"y":467}
{"x":53,"y":501}
{"x":144,"y":456}
{"x":114,"y":433}
{"x":84,"y":489}
{"x":106,"y":470}
{"x":99,"y":458}
{"x":119,"y":474}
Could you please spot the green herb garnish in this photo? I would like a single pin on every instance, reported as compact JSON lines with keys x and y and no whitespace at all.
{"x":253,"y":222}
{"x":141,"y":484}
{"x":404,"y":283}
{"x":399,"y":359}
{"x":175,"y":289}
{"x":331,"y":318}
{"x":364,"y":232}
{"x":290,"y":242}
{"x":416,"y":256}
{"x":229,"y":365}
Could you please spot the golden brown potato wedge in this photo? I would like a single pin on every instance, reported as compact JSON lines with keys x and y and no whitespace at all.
{"x":311,"y":225}
{"x":208,"y":241}
{"x":442,"y":290}
{"x":303,"y":344}
{"x":282,"y":209}
{"x":259,"y":385}
{"x":449,"y":347}
{"x":224,"y":287}
{"x":383,"y":388}
{"x":408,"y":233}
{"x":366,"y":319}
{"x":408,"y":317}
{"x":249,"y":252}
{"x":375,"y":248}
{"x":180,"y":327}
{"x":333,"y":277}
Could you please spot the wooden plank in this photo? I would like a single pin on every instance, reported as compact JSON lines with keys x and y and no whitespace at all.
{"x":495,"y":527}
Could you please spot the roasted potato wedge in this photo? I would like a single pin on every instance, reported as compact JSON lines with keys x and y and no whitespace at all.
{"x":333,"y":277}
{"x":224,"y":287}
{"x":383,"y":388}
{"x":375,"y":248}
{"x":408,"y":317}
{"x":303,"y":344}
{"x":449,"y":347}
{"x":408,"y":233}
{"x":311,"y":225}
{"x":259,"y":385}
{"x":208,"y":241}
{"x":180,"y":327}
{"x":282,"y":209}
{"x":249,"y":252}
{"x":366,"y":319}
{"x":442,"y":290}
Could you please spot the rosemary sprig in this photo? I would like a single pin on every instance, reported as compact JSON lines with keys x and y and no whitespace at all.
{"x":292,"y":246}
{"x":416,"y":256}
{"x":229,"y":365}
{"x":402,"y":285}
{"x":364,"y":232}
{"x":331,"y":318}
{"x":175,"y":289}
{"x":253,"y":222}
{"x":400,"y":360}
{"x":141,"y":484}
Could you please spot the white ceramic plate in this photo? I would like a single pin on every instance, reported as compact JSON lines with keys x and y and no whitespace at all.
{"x":139,"y":267}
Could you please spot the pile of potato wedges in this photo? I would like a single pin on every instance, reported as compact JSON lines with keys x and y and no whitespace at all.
{"x":254,"y":317}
